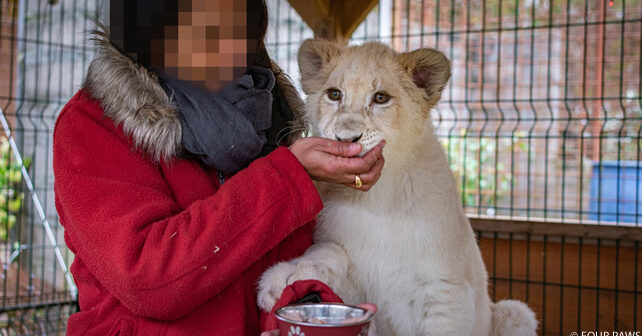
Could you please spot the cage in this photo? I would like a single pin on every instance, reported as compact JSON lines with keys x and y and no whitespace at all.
{"x":541,"y":122}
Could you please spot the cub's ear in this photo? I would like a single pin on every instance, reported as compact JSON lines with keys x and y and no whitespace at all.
{"x":314,"y":55}
{"x":429,"y":69}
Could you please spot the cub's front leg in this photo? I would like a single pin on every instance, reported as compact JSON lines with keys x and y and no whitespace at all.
{"x":448,"y":308}
{"x":323,"y":261}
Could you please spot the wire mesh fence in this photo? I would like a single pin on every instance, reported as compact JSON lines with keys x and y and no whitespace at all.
{"x":543,"y":114}
{"x":43,"y":58}
{"x":541,"y":121}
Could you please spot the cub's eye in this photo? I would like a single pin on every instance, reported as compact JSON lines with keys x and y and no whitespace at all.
{"x":381,"y":98}
{"x":334,"y":94}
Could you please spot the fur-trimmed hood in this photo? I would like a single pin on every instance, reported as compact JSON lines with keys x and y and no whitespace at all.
{"x":132,"y":97}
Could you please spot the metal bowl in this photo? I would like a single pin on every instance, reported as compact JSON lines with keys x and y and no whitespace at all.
{"x":332,"y":316}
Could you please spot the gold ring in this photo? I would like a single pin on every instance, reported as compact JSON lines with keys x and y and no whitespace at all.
{"x":357,"y":181}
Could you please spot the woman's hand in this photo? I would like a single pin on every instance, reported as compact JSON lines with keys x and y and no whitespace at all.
{"x":369,"y":306}
{"x":336,"y":161}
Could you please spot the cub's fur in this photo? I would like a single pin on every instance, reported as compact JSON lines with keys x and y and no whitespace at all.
{"x":406,"y":244}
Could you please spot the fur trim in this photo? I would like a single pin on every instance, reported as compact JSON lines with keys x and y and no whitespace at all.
{"x":131,"y":96}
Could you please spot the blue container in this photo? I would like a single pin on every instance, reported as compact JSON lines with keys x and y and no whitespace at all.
{"x":620,"y":195}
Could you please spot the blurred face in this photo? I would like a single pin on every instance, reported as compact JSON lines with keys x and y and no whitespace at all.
{"x":209,"y":46}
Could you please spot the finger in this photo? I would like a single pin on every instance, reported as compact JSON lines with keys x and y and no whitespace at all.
{"x":270,"y":333}
{"x":377,"y":150}
{"x":381,"y":144}
{"x":351,"y":166}
{"x":371,"y":307}
{"x":364,"y":187}
{"x":367,"y":180}
{"x":372,"y":156}
{"x":372,"y":176}
{"x":343,"y":169}
{"x":340,"y":148}
{"x":351,"y":182}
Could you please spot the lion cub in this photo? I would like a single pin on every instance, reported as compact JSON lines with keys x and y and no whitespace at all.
{"x":405,"y":245}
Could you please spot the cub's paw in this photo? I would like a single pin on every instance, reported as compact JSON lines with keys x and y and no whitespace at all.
{"x":281,"y":275}
{"x":272,"y":283}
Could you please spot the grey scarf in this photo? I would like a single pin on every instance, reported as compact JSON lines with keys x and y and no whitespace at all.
{"x":227,"y":129}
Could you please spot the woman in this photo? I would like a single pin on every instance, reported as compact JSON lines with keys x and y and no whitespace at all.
{"x":171,"y":182}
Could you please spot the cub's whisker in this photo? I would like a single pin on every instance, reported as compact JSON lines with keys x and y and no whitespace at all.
{"x":293,"y":129}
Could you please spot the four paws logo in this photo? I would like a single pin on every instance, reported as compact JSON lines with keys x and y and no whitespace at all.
{"x":295,"y":331}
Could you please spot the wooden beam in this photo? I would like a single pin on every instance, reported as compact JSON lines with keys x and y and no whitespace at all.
{"x":566,"y":229}
{"x":351,"y":13}
{"x":333,"y":20}
{"x":311,"y":11}
{"x":323,"y":6}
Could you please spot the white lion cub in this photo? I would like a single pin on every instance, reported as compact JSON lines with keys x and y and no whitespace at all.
{"x":405,"y":245}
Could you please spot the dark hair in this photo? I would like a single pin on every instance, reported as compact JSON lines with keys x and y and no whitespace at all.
{"x":257,"y":10}
{"x":134,"y":25}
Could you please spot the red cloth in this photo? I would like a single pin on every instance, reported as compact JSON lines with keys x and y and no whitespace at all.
{"x":296,"y":291}
{"x":162,"y":249}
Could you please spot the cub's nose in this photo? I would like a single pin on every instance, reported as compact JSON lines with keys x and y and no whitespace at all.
{"x":348,"y":138}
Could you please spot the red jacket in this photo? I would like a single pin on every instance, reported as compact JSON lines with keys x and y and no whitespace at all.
{"x":160,"y":247}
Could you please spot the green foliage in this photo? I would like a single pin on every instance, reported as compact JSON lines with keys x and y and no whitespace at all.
{"x":483,"y":178}
{"x":11,"y":195}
